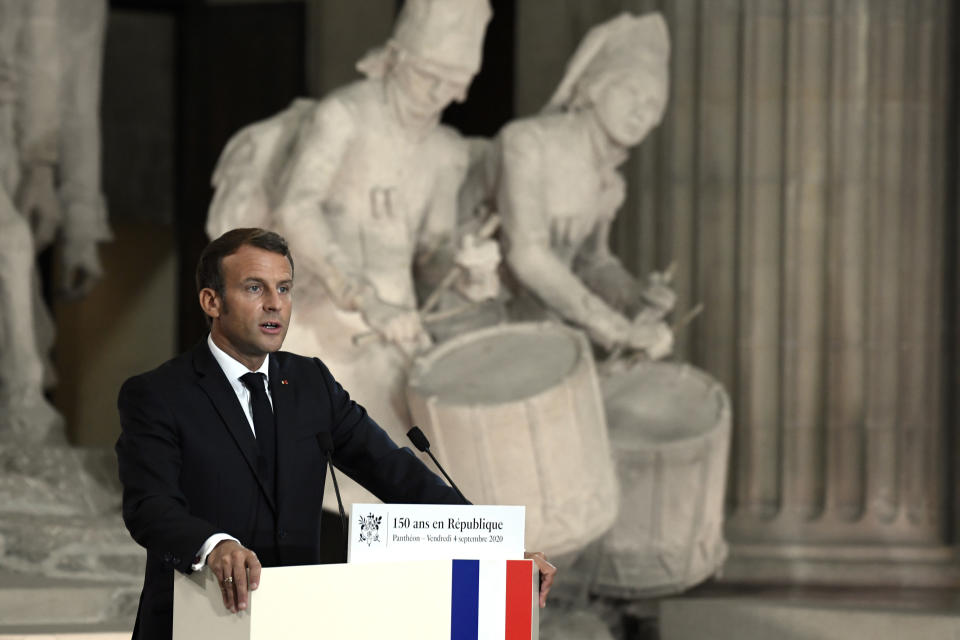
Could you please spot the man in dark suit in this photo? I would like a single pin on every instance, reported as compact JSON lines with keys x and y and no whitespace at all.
{"x":218,"y":455}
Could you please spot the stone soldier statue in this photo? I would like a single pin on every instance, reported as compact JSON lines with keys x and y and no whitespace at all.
{"x":50,"y":60}
{"x":558,"y":188}
{"x":364,"y":185}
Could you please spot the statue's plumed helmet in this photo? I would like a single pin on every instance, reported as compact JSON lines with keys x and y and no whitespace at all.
{"x":443,"y":36}
{"x":626,"y":44}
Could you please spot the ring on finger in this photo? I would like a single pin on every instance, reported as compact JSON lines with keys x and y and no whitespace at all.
{"x":228,"y":580}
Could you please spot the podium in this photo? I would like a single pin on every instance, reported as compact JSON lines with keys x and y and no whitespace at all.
{"x":421,"y":600}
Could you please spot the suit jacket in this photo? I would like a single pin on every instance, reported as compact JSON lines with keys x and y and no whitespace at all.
{"x":187,"y":461}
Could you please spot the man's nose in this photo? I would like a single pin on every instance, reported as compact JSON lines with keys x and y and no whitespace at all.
{"x":273,"y":300}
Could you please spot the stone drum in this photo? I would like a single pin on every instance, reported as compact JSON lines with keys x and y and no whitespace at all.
{"x":515,"y":413}
{"x":670,"y":432}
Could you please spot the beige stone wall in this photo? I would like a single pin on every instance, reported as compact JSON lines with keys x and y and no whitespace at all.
{"x":798,"y":181}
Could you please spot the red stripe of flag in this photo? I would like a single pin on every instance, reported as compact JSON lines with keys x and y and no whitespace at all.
{"x":519,"y":600}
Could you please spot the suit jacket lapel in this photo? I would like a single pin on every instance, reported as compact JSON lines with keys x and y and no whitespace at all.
{"x":215,"y":384}
{"x":282,"y":393}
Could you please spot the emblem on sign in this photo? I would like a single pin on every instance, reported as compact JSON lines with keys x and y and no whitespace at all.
{"x":370,"y":529}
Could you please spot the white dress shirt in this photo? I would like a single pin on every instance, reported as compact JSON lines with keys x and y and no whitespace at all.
{"x":233,"y":370}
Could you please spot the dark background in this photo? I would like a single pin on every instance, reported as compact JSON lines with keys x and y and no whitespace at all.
{"x":182,"y":76}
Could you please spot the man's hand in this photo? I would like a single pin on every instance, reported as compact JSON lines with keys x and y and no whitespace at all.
{"x":547,"y":573}
{"x":230,"y":562}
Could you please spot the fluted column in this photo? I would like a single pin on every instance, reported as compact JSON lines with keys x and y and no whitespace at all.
{"x":798,"y":181}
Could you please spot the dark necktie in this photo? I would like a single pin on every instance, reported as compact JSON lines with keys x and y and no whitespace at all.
{"x":264,"y":424}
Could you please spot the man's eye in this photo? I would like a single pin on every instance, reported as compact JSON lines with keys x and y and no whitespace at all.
{"x":283,"y":289}
{"x":253,"y":288}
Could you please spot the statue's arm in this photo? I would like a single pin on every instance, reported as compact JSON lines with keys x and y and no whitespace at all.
{"x":304,"y":214}
{"x":527,"y":230}
{"x":324,"y":139}
{"x":437,"y":229}
{"x":38,"y":118}
{"x":452,"y":240}
{"x":82,"y":27}
{"x":37,"y":74}
{"x":604,"y":274}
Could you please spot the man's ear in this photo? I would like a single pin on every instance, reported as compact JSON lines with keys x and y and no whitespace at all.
{"x":210,"y":302}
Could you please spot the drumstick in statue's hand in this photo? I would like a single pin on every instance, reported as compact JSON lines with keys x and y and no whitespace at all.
{"x":426,"y":317}
{"x":485,"y":233}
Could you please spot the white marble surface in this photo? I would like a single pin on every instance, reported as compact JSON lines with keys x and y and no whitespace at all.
{"x":558,"y":188}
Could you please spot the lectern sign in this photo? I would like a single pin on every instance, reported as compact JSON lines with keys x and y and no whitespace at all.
{"x":394,"y":532}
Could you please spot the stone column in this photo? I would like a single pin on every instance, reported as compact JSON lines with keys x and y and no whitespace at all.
{"x":798,"y":182}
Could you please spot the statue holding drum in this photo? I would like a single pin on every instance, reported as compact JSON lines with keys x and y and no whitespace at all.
{"x":529,"y":391}
{"x":557,"y":186}
{"x":364,"y":185}
{"x":558,"y":189}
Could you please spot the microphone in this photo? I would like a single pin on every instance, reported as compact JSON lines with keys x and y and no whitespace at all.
{"x":325,"y":440}
{"x":419,"y":440}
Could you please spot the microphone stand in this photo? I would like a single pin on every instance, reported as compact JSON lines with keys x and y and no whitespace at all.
{"x":325,"y":441}
{"x":419,"y":440}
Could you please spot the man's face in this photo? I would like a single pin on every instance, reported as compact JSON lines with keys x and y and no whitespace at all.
{"x":629,"y":108}
{"x":252,"y":317}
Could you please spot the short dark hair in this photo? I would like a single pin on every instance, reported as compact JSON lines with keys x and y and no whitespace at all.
{"x":210,"y":265}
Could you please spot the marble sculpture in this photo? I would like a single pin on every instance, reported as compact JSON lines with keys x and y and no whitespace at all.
{"x":50,"y":56}
{"x":363,"y":183}
{"x":558,"y":188}
{"x":59,"y":506}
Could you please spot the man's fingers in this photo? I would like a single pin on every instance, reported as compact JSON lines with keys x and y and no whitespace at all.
{"x":230,"y":572}
{"x":547,"y":574}
{"x":227,"y":583}
{"x":230,"y":562}
{"x":546,"y":581}
{"x":218,"y":574}
{"x":254,"y":572}
{"x":245,"y":560}
{"x":240,"y":586}
{"x":226,"y":588}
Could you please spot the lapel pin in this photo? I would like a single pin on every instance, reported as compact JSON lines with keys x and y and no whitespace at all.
{"x":284,"y":382}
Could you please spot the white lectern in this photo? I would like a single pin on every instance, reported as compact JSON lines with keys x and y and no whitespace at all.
{"x":422,"y":600}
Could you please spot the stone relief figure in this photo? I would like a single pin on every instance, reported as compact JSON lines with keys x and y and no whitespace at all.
{"x":27,"y":154}
{"x":59,"y":510}
{"x":50,"y":53}
{"x":84,"y":225}
{"x":558,"y":189}
{"x":364,"y":185}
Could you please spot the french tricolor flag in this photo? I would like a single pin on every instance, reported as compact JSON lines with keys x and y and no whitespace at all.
{"x":492,"y":599}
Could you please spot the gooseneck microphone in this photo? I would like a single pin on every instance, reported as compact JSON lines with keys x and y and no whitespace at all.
{"x":420,"y":441}
{"x":325,"y":440}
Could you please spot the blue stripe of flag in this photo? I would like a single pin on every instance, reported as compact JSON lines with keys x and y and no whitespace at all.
{"x":464,"y":603}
